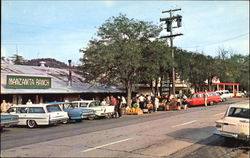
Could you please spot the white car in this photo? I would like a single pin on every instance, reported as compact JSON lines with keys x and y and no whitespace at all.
{"x":235,"y":123}
{"x":224,"y":94}
{"x":39,"y":114}
{"x":240,"y":94}
{"x":100,"y":111}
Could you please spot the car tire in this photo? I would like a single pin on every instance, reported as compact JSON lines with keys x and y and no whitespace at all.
{"x":65,"y":122}
{"x":79,"y":120}
{"x":31,"y":123}
{"x":211,"y":103}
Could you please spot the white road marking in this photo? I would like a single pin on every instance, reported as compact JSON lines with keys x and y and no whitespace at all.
{"x":90,"y":149}
{"x":184,"y":123}
{"x":219,"y":114}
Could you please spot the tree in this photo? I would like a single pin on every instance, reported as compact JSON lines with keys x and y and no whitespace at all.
{"x":115,"y":57}
{"x":18,"y":59}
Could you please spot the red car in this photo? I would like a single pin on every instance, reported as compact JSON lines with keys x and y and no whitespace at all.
{"x":198,"y":98}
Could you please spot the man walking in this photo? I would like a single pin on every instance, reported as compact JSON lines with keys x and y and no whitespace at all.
{"x":205,"y":97}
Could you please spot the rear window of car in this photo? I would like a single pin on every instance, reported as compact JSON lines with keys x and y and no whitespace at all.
{"x":83,"y":104}
{"x":36,"y":110}
{"x":239,"y":112}
{"x":53,"y":108}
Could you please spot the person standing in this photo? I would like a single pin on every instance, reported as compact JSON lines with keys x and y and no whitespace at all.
{"x":205,"y":97}
{"x":29,"y":102}
{"x":141,"y":101}
{"x":5,"y":106}
{"x":124,"y":102}
{"x":156,"y":103}
{"x":119,"y":107}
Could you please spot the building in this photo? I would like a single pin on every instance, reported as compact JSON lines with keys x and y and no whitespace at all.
{"x":44,"y":84}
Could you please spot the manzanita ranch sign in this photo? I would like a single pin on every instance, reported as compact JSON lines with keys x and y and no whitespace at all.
{"x":39,"y":82}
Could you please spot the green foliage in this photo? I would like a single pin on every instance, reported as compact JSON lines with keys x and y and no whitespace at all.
{"x":115,"y":58}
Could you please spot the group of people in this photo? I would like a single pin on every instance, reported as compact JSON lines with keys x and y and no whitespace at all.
{"x":143,"y":100}
{"x":6,"y":105}
{"x":118,"y":102}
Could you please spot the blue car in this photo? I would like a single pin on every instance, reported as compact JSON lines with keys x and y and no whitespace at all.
{"x":76,"y":114}
{"x":8,"y":120}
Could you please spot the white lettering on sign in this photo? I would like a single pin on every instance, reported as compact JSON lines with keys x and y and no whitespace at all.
{"x":21,"y":81}
{"x":41,"y":82}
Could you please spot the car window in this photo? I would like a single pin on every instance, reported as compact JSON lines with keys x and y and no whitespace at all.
{"x":36,"y":110}
{"x":92,"y":104}
{"x":83,"y":104}
{"x":97,"y":103}
{"x":53,"y":108}
{"x":239,"y":112}
{"x":22,"y":110}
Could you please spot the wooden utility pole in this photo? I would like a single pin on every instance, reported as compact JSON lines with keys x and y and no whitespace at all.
{"x":169,"y":21}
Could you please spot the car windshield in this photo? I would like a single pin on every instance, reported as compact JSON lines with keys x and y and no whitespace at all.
{"x":83,"y":104}
{"x":239,"y":112}
{"x":53,"y":108}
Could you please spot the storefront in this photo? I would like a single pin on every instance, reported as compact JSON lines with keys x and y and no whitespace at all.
{"x":20,"y":83}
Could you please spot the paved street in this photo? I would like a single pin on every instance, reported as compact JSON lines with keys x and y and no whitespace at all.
{"x":162,"y":134}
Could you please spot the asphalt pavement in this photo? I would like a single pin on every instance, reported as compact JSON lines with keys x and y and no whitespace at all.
{"x":185,"y":133}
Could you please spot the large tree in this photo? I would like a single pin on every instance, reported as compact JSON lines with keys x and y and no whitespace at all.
{"x":115,"y":57}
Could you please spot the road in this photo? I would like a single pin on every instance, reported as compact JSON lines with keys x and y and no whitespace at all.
{"x":170,"y":134}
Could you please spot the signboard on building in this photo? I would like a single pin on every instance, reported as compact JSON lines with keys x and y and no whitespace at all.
{"x":32,"y":82}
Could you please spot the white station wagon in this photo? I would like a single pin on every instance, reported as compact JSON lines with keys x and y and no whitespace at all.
{"x":235,"y":123}
{"x":39,"y":114}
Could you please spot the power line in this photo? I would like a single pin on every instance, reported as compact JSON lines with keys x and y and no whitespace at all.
{"x":217,"y":42}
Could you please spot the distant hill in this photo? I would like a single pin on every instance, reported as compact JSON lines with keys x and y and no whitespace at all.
{"x":49,"y":63}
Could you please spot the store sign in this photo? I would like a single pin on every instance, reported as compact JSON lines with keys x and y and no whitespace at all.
{"x":36,"y":82}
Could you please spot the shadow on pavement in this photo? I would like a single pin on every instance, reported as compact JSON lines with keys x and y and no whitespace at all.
{"x":207,"y":145}
{"x":197,"y":135}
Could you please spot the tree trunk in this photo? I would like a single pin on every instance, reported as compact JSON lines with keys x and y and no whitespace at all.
{"x":156,"y":87}
{"x":129,"y":93}
{"x":151,"y":86}
{"x":161,"y":85}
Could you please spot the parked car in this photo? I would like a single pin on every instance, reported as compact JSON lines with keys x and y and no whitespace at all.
{"x":100,"y":111}
{"x":39,"y":114}
{"x":76,"y":113}
{"x":235,"y":123}
{"x":198,"y":98}
{"x":8,"y":120}
{"x":224,"y":94}
{"x":240,"y":94}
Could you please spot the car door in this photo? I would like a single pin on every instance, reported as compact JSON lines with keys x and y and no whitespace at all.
{"x":237,"y":121}
{"x":22,"y":114}
{"x":38,"y":114}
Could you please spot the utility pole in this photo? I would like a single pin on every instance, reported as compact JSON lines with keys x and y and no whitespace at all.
{"x":169,"y":21}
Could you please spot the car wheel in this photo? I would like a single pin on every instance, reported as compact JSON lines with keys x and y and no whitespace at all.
{"x":91,"y":118}
{"x":211,"y":103}
{"x":31,"y":123}
{"x":65,"y":122}
{"x":79,"y":120}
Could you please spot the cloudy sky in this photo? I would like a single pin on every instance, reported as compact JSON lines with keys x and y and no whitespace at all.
{"x":58,"y":29}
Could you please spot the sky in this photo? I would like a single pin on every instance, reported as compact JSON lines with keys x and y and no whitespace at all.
{"x":58,"y":29}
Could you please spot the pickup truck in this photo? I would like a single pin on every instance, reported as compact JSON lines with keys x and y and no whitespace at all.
{"x":8,"y":120}
{"x":100,"y":111}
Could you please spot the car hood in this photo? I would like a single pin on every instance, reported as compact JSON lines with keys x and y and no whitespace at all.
{"x":79,"y":110}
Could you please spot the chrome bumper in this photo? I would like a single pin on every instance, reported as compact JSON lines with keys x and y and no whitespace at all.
{"x":232,"y":135}
{"x":55,"y":121}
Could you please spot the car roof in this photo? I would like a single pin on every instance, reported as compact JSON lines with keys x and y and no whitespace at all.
{"x":204,"y":92}
{"x":240,"y":105}
{"x":39,"y":105}
{"x":83,"y":101}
